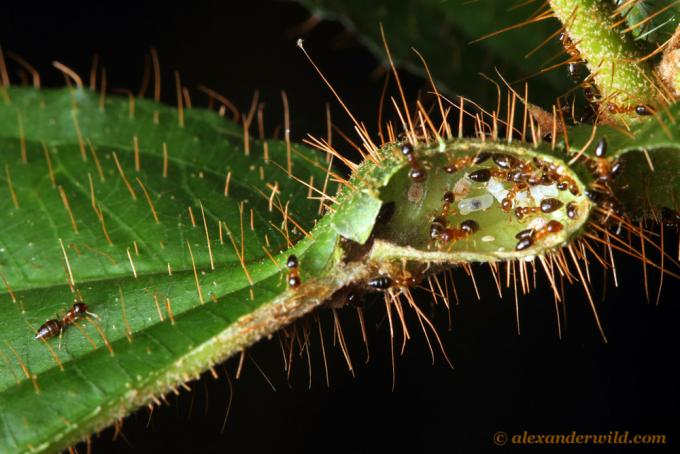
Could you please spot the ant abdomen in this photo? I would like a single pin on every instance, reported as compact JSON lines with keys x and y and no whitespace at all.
{"x":49,"y":329}
{"x":380,"y":283}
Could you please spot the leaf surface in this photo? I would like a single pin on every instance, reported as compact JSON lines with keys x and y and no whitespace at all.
{"x":178,"y":273}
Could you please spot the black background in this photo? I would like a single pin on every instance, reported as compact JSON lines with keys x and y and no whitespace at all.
{"x":502,"y":381}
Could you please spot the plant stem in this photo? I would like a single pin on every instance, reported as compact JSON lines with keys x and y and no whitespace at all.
{"x":614,"y":61}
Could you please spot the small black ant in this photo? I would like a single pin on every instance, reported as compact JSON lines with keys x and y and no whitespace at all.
{"x":380,"y":283}
{"x":294,"y":273}
{"x":386,"y":282}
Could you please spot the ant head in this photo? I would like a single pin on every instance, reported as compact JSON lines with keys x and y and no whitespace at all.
{"x":80,"y":308}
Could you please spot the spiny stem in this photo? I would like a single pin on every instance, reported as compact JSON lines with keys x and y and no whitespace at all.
{"x":623,"y":79}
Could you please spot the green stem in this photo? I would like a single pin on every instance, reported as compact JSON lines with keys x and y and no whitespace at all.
{"x":610,"y":53}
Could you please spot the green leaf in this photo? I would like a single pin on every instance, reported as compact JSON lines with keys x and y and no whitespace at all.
{"x":650,"y":156}
{"x":443,"y":31}
{"x":127,"y":209}
{"x":155,"y":328}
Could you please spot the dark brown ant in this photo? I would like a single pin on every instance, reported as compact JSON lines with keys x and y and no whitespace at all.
{"x":448,"y":199}
{"x":386,"y":282}
{"x":416,"y":173}
{"x":506,"y":203}
{"x":447,"y":234}
{"x":293,"y":272}
{"x":437,"y":227}
{"x":528,"y":237}
{"x":481,"y":157}
{"x":569,"y":46}
{"x":54,"y":327}
{"x":587,"y":115}
{"x":49,"y":329}
{"x":470,"y":226}
{"x":601,"y":166}
{"x":551,"y":227}
{"x":565,"y":182}
{"x":547,"y":205}
{"x":524,"y":243}
{"x":480,"y":176}
{"x":521,"y":212}
{"x":590,"y":92}
{"x":640,"y":109}
{"x":526,"y":233}
{"x":572,"y":210}
{"x":575,"y":70}
{"x":505,"y":161}
{"x":78,"y":311}
{"x":380,"y":282}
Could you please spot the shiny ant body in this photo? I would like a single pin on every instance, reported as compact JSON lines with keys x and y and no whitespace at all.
{"x":640,"y":109}
{"x":440,"y":231}
{"x":604,"y":169}
{"x":293,"y":265}
{"x":386,"y":282}
{"x":417,"y":173}
{"x":547,"y":205}
{"x":529,"y":236}
{"x":55,"y":327}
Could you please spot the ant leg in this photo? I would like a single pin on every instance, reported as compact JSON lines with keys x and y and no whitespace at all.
{"x":61,"y":331}
{"x":92,"y":314}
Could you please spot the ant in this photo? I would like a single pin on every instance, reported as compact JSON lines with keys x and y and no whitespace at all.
{"x":547,"y":205}
{"x":506,"y":203}
{"x":603,"y":168}
{"x":54,"y":327}
{"x":567,"y":183}
{"x":640,"y":109}
{"x":294,"y":273}
{"x":529,"y":236}
{"x":439,"y":230}
{"x":386,"y":282}
{"x":416,"y":173}
{"x":448,"y":199}
{"x":572,"y":210}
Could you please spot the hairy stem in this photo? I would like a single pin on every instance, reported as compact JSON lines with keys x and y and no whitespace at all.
{"x":614,"y":61}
